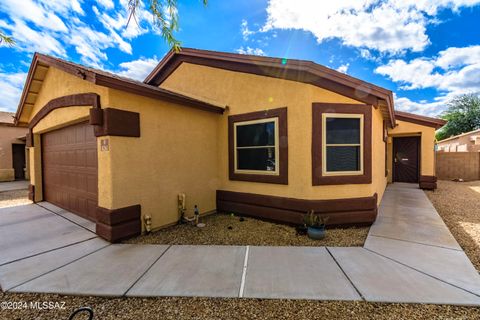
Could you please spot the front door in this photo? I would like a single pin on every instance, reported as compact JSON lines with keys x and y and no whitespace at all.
{"x":18,"y":157}
{"x":406,"y":159}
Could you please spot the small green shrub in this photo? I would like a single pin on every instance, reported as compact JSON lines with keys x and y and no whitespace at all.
{"x":315,"y":220}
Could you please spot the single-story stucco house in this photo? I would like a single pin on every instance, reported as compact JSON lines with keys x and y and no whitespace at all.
{"x":12,"y":149}
{"x":266,"y":137}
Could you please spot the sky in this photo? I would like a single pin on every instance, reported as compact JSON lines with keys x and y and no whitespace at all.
{"x":425,"y":51}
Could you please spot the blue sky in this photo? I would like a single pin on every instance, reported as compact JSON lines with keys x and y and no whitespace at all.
{"x":426,"y":51}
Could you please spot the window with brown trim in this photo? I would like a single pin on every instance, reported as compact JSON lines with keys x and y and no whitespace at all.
{"x":341,"y":144}
{"x":258,"y":146}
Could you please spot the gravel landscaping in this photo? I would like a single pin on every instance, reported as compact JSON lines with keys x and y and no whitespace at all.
{"x":458,"y":203}
{"x":202,"y":308}
{"x":13,"y":198}
{"x":447,"y":199}
{"x":224,"y":229}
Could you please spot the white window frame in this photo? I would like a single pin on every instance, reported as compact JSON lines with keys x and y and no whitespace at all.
{"x":276,"y":172}
{"x":325,"y":116}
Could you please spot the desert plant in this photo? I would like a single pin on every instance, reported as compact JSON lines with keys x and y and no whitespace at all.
{"x":312,"y":219}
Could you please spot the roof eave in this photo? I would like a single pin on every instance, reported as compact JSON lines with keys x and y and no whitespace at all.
{"x":168,"y":62}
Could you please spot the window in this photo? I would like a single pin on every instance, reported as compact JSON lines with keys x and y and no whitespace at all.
{"x":342,"y":144}
{"x":258,"y":146}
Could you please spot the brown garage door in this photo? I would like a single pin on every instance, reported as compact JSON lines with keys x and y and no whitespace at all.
{"x":69,"y":160}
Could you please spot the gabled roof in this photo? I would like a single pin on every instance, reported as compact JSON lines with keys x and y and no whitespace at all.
{"x":296,"y":70}
{"x":421,"y":120}
{"x":41,"y":63}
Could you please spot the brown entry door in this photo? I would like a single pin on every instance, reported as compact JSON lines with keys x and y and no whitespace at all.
{"x":406,"y":159}
{"x":69,"y":160}
{"x":18,"y":157}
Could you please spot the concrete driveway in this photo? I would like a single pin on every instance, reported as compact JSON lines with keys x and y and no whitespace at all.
{"x":409,"y":256}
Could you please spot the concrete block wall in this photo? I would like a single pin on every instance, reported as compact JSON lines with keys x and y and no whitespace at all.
{"x":458,"y":165}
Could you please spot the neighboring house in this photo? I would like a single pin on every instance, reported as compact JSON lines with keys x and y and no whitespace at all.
{"x":271,"y":138}
{"x":465,"y":142}
{"x":12,"y":149}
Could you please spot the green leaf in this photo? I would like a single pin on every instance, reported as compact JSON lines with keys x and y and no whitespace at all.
{"x":165,"y":18}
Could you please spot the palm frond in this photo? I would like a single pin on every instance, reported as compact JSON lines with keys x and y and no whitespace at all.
{"x":4,"y":39}
{"x":165,"y":18}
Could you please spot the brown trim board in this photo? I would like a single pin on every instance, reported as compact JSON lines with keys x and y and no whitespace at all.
{"x":355,"y":211}
{"x":420,"y":120}
{"x":318,"y":109}
{"x":428,"y":182}
{"x":290,"y":69}
{"x":108,"y":121}
{"x":112,"y":81}
{"x":118,"y":224}
{"x":281,"y":114}
{"x":81,"y":99}
{"x":31,"y":192}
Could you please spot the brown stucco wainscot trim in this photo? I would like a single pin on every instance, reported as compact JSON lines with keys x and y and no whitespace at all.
{"x":317,"y":110}
{"x":31,"y":192}
{"x":428,"y":182}
{"x":281,"y":114}
{"x":341,"y":212}
{"x":116,"y":123}
{"x":118,"y":224}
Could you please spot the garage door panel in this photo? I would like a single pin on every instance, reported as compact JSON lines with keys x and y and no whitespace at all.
{"x":70,"y":169}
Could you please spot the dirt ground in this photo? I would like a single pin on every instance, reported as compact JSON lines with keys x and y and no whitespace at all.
{"x":224,"y":229}
{"x":458,"y":203}
{"x":208,"y":308}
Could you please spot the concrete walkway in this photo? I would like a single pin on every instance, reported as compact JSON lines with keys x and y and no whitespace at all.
{"x":14,"y":185}
{"x":409,"y":256}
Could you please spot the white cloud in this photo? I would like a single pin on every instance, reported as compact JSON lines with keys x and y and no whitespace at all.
{"x":246,"y":33}
{"x":453,"y":70}
{"x":343,"y":68}
{"x":252,"y":51}
{"x":137,"y":69}
{"x":11,"y":85}
{"x":426,"y":108}
{"x":456,"y":57}
{"x":108,"y":4}
{"x":391,"y":26}
{"x":31,"y":40}
{"x":55,"y":26}
{"x":31,"y":11}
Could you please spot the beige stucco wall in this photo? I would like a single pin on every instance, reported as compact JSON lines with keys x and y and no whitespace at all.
{"x":9,"y":135}
{"x":177,"y":151}
{"x":403,"y":128}
{"x":244,"y":93}
{"x":379,"y":181}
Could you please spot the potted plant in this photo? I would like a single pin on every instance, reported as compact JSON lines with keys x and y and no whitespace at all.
{"x":315,"y":225}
